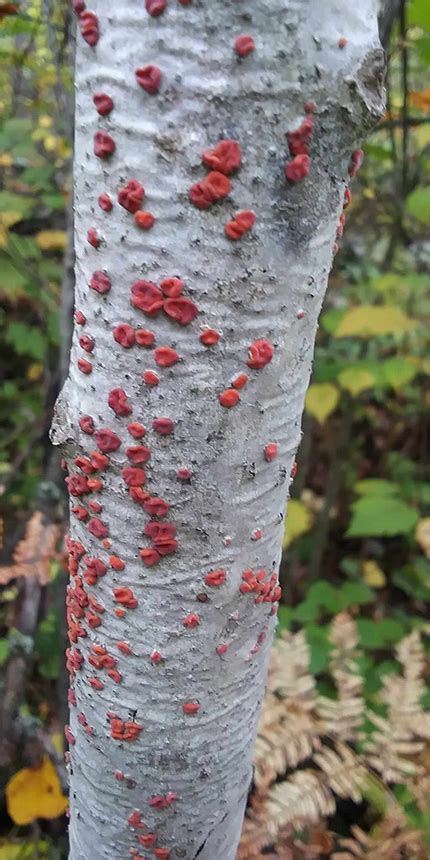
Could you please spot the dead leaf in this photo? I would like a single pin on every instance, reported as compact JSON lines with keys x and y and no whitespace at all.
{"x":34,"y":553}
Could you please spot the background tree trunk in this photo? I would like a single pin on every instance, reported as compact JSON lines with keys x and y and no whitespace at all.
{"x":228,"y":508}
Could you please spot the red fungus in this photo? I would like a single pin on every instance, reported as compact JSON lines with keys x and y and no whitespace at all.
{"x":136,"y":429}
{"x":105,"y":202}
{"x":80,"y":318}
{"x":242,"y":222}
{"x":100,"y":282}
{"x":149,"y":78}
{"x":163,"y":426}
{"x":155,"y":7}
{"x":124,"y":335}
{"x":144,"y":220}
{"x":146,"y":297}
{"x":149,"y":556}
{"x":298,"y":168}
{"x":84,"y":366}
{"x":89,"y":27}
{"x":191,"y":708}
{"x":104,"y":144}
{"x":86,"y":342}
{"x":209,"y":337}
{"x":228,"y":398}
{"x":144,"y":337}
{"x":150,"y":378}
{"x":225,"y":157}
{"x":215,"y":578}
{"x":172,"y":287}
{"x":260,"y":353}
{"x":103,"y":103}
{"x":244,"y":45}
{"x":180,"y":309}
{"x":118,"y":402}
{"x":131,"y":196}
{"x":192,"y":620}
{"x":271,"y":451}
{"x":107,"y":440}
{"x":92,"y":237}
{"x":165,"y":356}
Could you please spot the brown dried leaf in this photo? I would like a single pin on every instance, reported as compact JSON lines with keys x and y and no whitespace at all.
{"x":34,"y":553}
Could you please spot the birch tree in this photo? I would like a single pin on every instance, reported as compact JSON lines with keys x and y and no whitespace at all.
{"x":215,"y":140}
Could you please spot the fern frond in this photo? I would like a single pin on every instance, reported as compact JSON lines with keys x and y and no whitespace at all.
{"x":301,"y":799}
{"x":344,"y":715}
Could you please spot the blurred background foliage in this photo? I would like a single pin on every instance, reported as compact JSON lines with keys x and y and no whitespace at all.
{"x":357,"y":537}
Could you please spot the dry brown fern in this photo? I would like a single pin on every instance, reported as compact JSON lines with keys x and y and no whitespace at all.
{"x":34,"y":553}
{"x":315,"y":736}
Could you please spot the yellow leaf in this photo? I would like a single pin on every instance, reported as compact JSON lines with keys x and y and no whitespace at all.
{"x":321,"y":400}
{"x":24,"y":850}
{"x":57,"y":740}
{"x":421,"y":100}
{"x":46,"y":121}
{"x":5,"y":159}
{"x":422,"y":535}
{"x":372,"y":574}
{"x":35,"y":793}
{"x":51,"y":240}
{"x":34,"y":371}
{"x":371,"y":320}
{"x":299,"y":520}
{"x":355,"y":380}
{"x":50,"y":143}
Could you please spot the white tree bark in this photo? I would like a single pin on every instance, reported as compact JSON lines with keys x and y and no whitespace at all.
{"x":229,"y":514}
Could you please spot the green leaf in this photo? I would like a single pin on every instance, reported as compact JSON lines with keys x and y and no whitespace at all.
{"x":381,"y":516}
{"x":320,"y":648}
{"x":356,"y":593}
{"x":419,"y":14}
{"x":47,"y":646}
{"x":331,"y":319}
{"x":368,"y":321}
{"x":321,"y":400}
{"x":26,"y":340}
{"x":12,"y":281}
{"x":378,"y":634}
{"x":398,"y":371}
{"x":418,"y":204}
{"x":4,"y":650}
{"x":10,"y":202}
{"x":356,"y":380}
{"x":376,"y":487}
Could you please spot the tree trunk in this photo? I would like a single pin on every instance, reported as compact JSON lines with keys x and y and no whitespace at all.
{"x":167,"y":674}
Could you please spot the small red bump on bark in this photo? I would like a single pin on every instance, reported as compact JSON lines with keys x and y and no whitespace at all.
{"x":119,"y":776}
{"x":131,"y":196}
{"x":144,"y":337}
{"x":156,"y":530}
{"x":244,"y":45}
{"x":228,"y":398}
{"x":149,"y":78}
{"x":93,"y":620}
{"x":165,"y":356}
{"x":96,"y":507}
{"x":107,"y":440}
{"x":300,"y":314}
{"x":96,"y":683}
{"x":105,"y":202}
{"x":155,"y":7}
{"x":298,"y":140}
{"x":136,"y":430}
{"x":347,"y":198}
{"x":95,"y":485}
{"x":150,"y":377}
{"x":343,"y":41}
{"x":221,"y":649}
{"x":271,"y":451}
{"x":135,"y":819}
{"x":260,"y":353}
{"x":277,"y":593}
{"x":80,"y":318}
{"x":242,"y":222}
{"x":115,"y":675}
{"x":71,"y":697}
{"x":184,"y":474}
{"x":124,"y":647}
{"x":78,"y":6}
{"x":200,"y":196}
{"x":68,"y":734}
{"x":144,"y":220}
{"x":100,"y":282}
{"x":103,"y":103}
{"x":97,"y":528}
{"x":99,"y":461}
{"x":133,"y":477}
{"x":146,"y":297}
{"x":181,"y":309}
{"x":191,"y":707}
{"x":218,"y":185}
{"x":156,"y":657}
{"x":209,"y":337}
{"x":225,"y":157}
{"x":310,"y":107}
{"x":149,"y":556}
{"x":92,"y":237}
{"x":124,"y":334}
{"x":104,"y":144}
{"x":138,"y":495}
{"x":294,"y":470}
{"x":84,"y":366}
{"x":215,"y":578}
{"x":163,"y":426}
{"x":116,"y":562}
{"x":118,"y":402}
{"x":257,"y":534}
{"x":156,"y":507}
{"x":138,"y":453}
{"x":172,"y":287}
{"x":192,"y":620}
{"x":162,"y":853}
{"x":298,"y":168}
{"x":125,"y":596}
{"x":148,"y":839}
{"x":120,"y":613}
{"x":80,"y":513}
{"x":240,"y":381}
{"x":86,"y":343}
{"x":357,"y":159}
{"x":89,"y":27}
